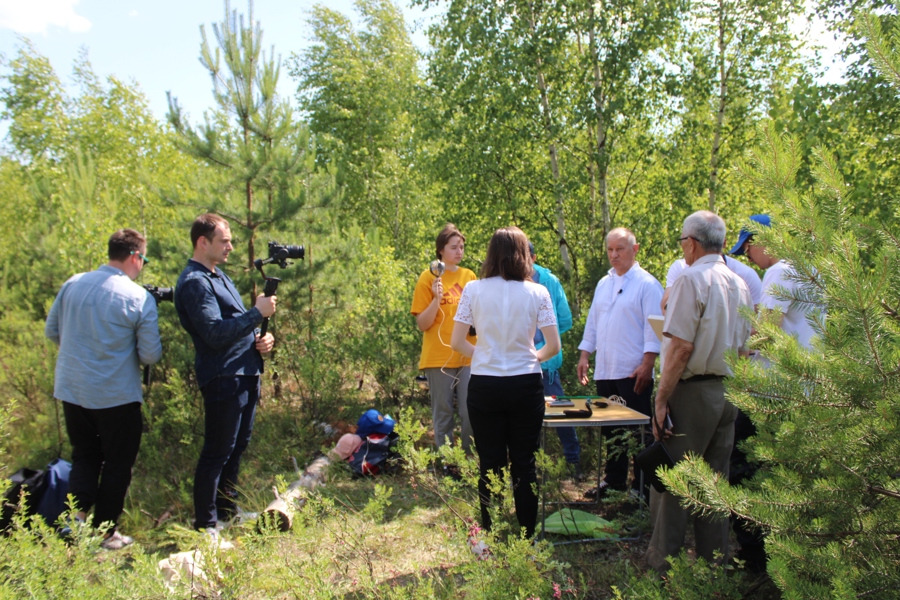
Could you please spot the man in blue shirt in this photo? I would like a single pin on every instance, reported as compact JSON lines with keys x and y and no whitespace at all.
{"x":106,"y":326}
{"x":228,"y":362}
{"x":550,"y":369}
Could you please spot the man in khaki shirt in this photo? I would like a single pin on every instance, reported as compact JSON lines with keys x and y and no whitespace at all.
{"x":702,"y":324}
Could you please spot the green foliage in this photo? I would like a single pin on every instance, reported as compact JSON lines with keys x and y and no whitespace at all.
{"x":826,"y":419}
{"x":35,"y":105}
{"x":70,"y":187}
{"x":36,"y":563}
{"x":687,"y":579}
{"x":360,"y":88}
{"x":251,"y":139}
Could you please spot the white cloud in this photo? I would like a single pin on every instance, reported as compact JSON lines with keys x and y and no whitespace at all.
{"x":34,"y":16}
{"x":133,"y":13}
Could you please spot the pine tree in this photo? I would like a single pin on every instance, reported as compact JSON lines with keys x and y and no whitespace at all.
{"x":827,"y":493}
{"x":251,"y":135}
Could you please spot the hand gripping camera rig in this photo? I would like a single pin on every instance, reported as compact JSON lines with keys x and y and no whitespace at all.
{"x":278,"y":254}
{"x":160,"y":294}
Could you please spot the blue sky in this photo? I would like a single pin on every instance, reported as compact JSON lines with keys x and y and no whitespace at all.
{"x":156,"y":42}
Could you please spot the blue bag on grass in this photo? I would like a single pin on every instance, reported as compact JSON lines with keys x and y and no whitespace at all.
{"x":46,"y":491}
{"x":56,"y":485}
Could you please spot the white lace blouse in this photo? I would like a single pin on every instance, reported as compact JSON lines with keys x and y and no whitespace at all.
{"x":505,"y":315}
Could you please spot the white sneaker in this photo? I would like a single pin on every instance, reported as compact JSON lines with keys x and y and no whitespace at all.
{"x":116,"y":541}
{"x":479,"y":548}
{"x":217,"y":540}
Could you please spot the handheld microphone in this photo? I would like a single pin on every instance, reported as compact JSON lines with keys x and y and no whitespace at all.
{"x":436,"y":268}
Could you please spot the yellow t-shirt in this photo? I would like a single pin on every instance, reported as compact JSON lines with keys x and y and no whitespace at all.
{"x":436,"y":350}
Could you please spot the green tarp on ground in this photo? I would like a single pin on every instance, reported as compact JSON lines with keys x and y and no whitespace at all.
{"x":577,"y":522}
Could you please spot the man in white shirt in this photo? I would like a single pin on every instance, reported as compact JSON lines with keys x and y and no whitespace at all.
{"x":754,"y":283}
{"x":778,"y":273}
{"x":618,"y":332}
{"x":793,"y":321}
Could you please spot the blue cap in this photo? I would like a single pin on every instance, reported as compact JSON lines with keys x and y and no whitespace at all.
{"x":373,"y":421}
{"x":745,"y":235}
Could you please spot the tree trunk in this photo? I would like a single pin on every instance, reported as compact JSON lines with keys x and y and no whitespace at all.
{"x":720,"y":114}
{"x":554,"y":162}
{"x":602,"y":162}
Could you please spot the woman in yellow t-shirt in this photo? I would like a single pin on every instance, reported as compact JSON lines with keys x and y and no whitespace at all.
{"x":434,"y":306}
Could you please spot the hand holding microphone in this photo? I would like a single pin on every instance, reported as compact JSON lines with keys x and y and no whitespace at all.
{"x":437,"y":286}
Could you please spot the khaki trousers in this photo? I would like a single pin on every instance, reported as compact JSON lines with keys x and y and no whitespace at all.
{"x":703,"y":425}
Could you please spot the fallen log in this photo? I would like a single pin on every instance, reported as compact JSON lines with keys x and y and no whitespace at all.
{"x":280,"y":512}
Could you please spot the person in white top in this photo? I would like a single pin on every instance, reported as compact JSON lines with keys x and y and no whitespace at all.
{"x":793,"y":321}
{"x":778,"y":274}
{"x":754,"y":283}
{"x":506,"y":392}
{"x":626,"y":347}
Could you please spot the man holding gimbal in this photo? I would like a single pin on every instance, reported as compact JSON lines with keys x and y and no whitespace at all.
{"x":228,"y":362}
{"x":105,"y":326}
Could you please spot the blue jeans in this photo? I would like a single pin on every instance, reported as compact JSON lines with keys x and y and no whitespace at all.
{"x":567,"y":436}
{"x":230,"y":405}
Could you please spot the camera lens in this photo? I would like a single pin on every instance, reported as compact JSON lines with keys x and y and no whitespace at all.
{"x":295,"y":252}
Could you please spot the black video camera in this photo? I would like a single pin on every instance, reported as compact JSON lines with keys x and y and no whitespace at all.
{"x":161,"y":294}
{"x":280,"y":253}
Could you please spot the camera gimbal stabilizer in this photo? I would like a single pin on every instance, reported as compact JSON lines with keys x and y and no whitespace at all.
{"x":278,"y":254}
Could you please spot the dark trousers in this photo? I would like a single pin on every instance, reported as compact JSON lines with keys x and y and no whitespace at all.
{"x":568,"y":439}
{"x":751,"y":540}
{"x":105,"y":444}
{"x":230,"y":404}
{"x":507,"y":414}
{"x":617,"y":468}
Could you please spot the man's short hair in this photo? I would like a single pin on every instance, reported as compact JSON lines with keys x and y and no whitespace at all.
{"x":447,"y":233}
{"x":124,"y":243}
{"x":707,"y":228}
{"x":507,"y":256}
{"x":622,"y":232}
{"x":205,"y":226}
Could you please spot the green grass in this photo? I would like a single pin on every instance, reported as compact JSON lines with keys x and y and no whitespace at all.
{"x":400,"y":535}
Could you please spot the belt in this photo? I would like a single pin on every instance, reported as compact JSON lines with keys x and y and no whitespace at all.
{"x":709,"y":377}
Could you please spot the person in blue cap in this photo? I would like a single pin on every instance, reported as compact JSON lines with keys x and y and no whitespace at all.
{"x":778,"y":273}
{"x":794,"y":320}
{"x":550,"y":368}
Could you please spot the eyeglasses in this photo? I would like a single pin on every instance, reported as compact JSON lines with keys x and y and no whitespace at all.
{"x":144,"y":258}
{"x":681,"y":239}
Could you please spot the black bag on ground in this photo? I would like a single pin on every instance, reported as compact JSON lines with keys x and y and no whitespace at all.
{"x":25,"y":479}
{"x":651,"y":458}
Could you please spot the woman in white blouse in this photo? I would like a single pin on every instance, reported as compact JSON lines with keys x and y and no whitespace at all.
{"x":506,"y":394}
